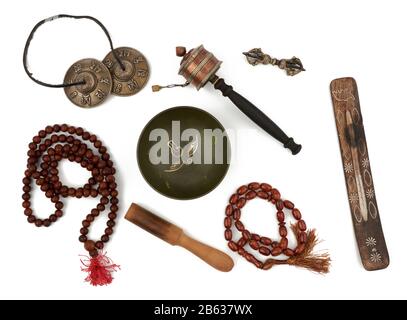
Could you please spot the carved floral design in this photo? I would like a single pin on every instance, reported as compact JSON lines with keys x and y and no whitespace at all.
{"x":371,"y":242}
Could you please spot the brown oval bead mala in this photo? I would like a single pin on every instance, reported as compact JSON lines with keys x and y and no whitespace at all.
{"x":301,"y":255}
{"x":46,"y":150}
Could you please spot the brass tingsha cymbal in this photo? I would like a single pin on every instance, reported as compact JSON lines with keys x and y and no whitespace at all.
{"x":97,"y":83}
{"x":135,"y":74}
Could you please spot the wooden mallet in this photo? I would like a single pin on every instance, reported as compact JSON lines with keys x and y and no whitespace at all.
{"x":176,"y":237}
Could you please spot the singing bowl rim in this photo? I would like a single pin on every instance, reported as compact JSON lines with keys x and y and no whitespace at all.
{"x":214,"y":186}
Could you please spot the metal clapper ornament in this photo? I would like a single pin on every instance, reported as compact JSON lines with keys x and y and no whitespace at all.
{"x":199,"y":66}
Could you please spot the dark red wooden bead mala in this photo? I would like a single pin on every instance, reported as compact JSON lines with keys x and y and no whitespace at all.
{"x":47,"y":149}
{"x":301,"y":255}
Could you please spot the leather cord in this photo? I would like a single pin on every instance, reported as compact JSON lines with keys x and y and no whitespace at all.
{"x":31,"y":36}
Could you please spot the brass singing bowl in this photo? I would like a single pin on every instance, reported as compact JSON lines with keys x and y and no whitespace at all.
{"x":179,"y":179}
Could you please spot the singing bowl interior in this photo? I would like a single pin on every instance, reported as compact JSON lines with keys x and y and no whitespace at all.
{"x":177,"y":178}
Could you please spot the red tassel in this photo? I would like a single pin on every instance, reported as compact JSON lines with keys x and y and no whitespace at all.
{"x":99,"y":269}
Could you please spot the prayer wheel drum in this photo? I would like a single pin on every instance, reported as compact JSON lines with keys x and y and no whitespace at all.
{"x":198,"y":65}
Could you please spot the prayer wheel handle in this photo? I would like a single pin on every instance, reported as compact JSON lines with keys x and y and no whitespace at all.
{"x":255,"y":114}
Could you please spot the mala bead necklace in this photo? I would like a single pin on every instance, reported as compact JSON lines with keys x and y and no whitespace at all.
{"x":88,"y":82}
{"x":301,"y":255}
{"x":46,"y":150}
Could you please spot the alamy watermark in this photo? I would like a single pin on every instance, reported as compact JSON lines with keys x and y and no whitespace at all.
{"x":189,"y":146}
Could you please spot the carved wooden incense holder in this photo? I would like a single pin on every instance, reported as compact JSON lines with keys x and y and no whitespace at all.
{"x":358,"y":175}
{"x":176,"y":237}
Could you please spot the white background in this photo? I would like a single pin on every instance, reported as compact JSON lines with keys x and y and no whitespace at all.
{"x":365,"y":40}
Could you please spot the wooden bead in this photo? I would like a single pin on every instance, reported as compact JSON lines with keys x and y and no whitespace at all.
{"x":38,"y":223}
{"x":276,"y":251}
{"x":268,"y":264}
{"x":254,"y":186}
{"x":288,"y":252}
{"x":283,"y":243}
{"x":258,"y":264}
{"x":59,"y":205}
{"x":262,"y":194}
{"x":300,"y":249}
{"x":109,"y":231}
{"x":266,"y":241}
{"x":239,"y":225}
{"x":228,"y":234}
{"x":233,"y":199}
{"x":256,"y":237}
{"x":280,"y":216}
{"x":265,"y":251}
{"x":240,"y":203}
{"x":242,"y":242}
{"x":301,"y":225}
{"x":246,"y":234}
{"x":180,"y":51}
{"x":89,"y":245}
{"x":302,"y":237}
{"x":283,"y":231}
{"x":248,"y":256}
{"x":288,"y":204}
{"x":242,"y":190}
{"x":232,"y":245}
{"x":251,"y":195}
{"x":229,"y":210}
{"x":236,"y":214}
{"x":265,"y":187}
{"x":296,"y":214}
{"x":227,"y":222}
{"x":279,"y":205}
{"x":49,"y":129}
{"x":93,"y":253}
{"x":275,"y":194}
{"x":99,"y":245}
{"x":254,"y":245}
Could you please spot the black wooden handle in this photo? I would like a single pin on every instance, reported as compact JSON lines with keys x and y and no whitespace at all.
{"x":257,"y":116}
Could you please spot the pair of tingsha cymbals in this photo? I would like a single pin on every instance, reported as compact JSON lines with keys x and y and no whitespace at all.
{"x":109,"y":76}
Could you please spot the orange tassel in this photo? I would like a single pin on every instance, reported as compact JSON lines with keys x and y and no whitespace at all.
{"x":316,"y":262}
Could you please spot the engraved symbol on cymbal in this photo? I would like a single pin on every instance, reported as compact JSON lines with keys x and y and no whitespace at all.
{"x":97,"y":83}
{"x":133,"y":77}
